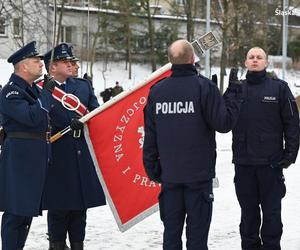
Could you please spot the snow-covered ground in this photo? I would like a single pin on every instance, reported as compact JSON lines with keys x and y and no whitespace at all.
{"x":102,"y":231}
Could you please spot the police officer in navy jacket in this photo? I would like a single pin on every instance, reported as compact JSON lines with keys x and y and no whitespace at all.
{"x":181,"y":116}
{"x":74,"y":61}
{"x":72,"y":184}
{"x":25,"y":152}
{"x":265,"y":141}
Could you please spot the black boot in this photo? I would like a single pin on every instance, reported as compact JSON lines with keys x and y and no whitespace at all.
{"x":66,"y":247}
{"x":51,"y":246}
{"x":77,"y":245}
{"x":60,"y":245}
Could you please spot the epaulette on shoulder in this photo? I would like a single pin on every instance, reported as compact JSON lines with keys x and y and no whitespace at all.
{"x":272,"y":75}
{"x":202,"y":76}
{"x":278,"y":80}
{"x":206,"y":80}
{"x":80,"y":79}
{"x":9,"y":85}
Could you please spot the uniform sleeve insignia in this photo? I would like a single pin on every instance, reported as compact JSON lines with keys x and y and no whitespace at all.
{"x":13,"y":92}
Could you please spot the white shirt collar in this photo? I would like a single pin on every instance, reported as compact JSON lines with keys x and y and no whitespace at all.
{"x":60,"y":83}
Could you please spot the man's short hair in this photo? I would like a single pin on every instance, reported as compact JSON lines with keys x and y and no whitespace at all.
{"x":180,"y":52}
{"x":256,"y":47}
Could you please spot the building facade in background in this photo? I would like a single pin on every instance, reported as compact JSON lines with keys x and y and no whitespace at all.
{"x":107,"y":29}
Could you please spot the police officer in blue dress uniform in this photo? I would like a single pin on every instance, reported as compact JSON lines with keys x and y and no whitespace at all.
{"x":72,"y":184}
{"x":25,"y":152}
{"x":265,"y":140}
{"x":74,"y":61}
{"x":181,"y":116}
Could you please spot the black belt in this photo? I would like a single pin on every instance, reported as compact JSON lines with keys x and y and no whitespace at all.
{"x":29,"y":135}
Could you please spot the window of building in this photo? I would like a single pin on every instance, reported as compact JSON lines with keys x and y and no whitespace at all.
{"x":17,"y":27}
{"x":2,"y":27}
{"x":140,"y":43}
{"x":105,"y":2}
{"x":180,"y":2}
{"x":66,"y":34}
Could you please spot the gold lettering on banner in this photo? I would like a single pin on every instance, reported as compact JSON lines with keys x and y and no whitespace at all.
{"x":119,"y":141}
{"x":121,"y":127}
{"x":125,"y":119}
{"x":118,"y":138}
{"x":144,"y":181}
{"x":118,"y":148}
{"x":119,"y":156}
{"x":126,"y":170}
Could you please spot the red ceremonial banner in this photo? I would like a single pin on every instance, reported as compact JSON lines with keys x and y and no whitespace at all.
{"x":115,"y":135}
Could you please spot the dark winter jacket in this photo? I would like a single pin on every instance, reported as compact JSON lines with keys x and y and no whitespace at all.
{"x":268,"y":126}
{"x":181,"y":116}
{"x":72,"y":182}
{"x":23,"y":161}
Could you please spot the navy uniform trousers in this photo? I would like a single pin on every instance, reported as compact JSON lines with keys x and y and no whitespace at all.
{"x":260,"y":188}
{"x":191,"y":202}
{"x":14,"y":231}
{"x":71,"y":221}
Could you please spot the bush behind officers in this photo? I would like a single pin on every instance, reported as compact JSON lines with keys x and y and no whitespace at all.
{"x":181,"y":116}
{"x":265,"y":140}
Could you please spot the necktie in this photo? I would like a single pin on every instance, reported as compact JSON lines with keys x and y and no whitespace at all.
{"x":63,"y":87}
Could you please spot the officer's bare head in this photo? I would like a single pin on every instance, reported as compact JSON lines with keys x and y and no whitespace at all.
{"x":256,"y":59}
{"x":181,"y":52}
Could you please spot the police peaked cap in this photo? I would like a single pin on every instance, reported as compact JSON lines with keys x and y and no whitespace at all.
{"x":60,"y":52}
{"x":29,"y":50}
{"x":70,"y":51}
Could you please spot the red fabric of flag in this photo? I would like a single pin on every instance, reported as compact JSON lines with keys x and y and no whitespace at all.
{"x":115,"y":136}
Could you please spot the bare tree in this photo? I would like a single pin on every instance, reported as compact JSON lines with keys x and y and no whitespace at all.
{"x":59,"y":25}
{"x":189,"y":8}
{"x":127,"y":18}
{"x":23,"y":19}
{"x":222,"y":15}
{"x":151,"y":30}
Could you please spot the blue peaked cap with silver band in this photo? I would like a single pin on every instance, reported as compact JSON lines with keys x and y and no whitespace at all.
{"x":71,"y":53}
{"x":29,"y":50}
{"x":60,"y":53}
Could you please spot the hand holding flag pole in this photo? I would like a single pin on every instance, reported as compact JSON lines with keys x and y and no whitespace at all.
{"x":126,"y":185}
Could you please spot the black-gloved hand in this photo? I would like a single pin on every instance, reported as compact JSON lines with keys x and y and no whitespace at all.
{"x":76,"y":124}
{"x":214,"y":79}
{"x":49,"y":83}
{"x":284,"y":163}
{"x":233,"y":78}
{"x":235,"y":85}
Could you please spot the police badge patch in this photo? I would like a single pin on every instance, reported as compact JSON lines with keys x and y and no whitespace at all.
{"x":13,"y":92}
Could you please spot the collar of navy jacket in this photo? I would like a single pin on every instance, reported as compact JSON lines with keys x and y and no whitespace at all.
{"x":183,"y":70}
